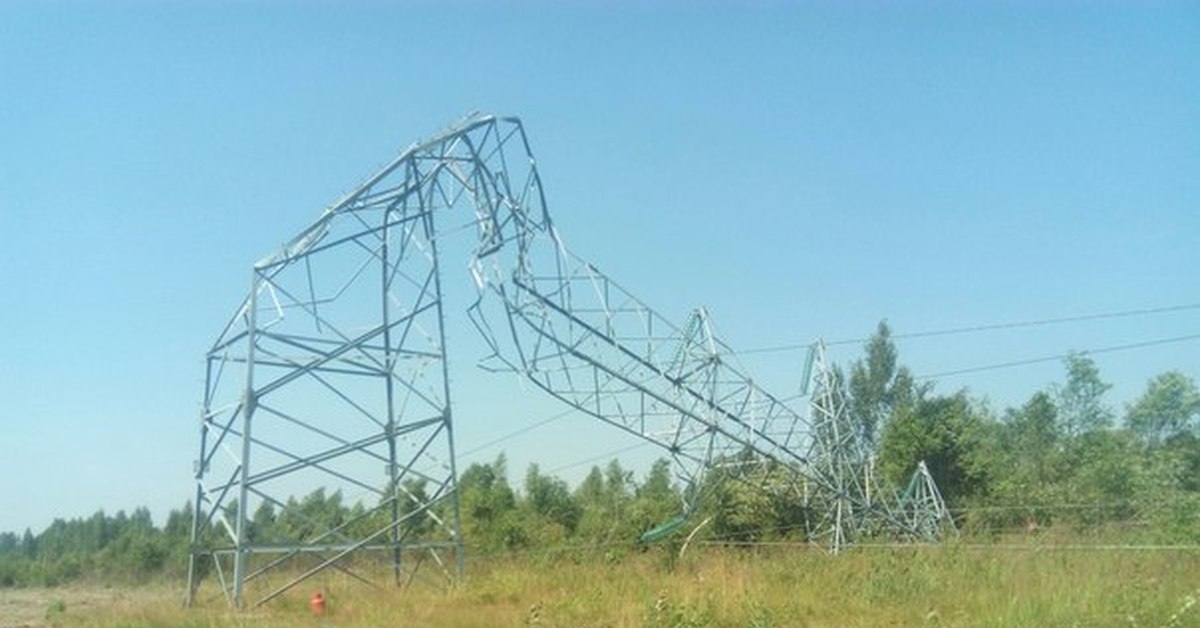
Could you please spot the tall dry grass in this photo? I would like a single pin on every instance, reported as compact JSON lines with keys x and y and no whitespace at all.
{"x":953,"y":585}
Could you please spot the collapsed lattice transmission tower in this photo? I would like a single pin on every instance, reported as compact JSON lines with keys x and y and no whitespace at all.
{"x":334,"y":371}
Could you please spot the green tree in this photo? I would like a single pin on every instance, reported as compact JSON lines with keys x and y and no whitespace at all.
{"x":547,"y":498}
{"x":29,"y":544}
{"x":177,"y":535}
{"x":1033,"y":429}
{"x":488,"y":507}
{"x":413,"y":496}
{"x":1026,"y":466}
{"x":948,"y":433}
{"x":604,"y":500}
{"x":1103,"y":475}
{"x":137,"y":551}
{"x":311,"y":517}
{"x":1169,"y":407}
{"x":1031,"y":435}
{"x":751,"y":499}
{"x":262,"y":523}
{"x":179,"y":522}
{"x":1081,"y":407}
{"x":878,"y":385}
{"x":655,"y":500}
{"x":871,"y":382}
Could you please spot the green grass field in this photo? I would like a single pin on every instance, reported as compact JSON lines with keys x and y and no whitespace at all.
{"x":954,"y":585}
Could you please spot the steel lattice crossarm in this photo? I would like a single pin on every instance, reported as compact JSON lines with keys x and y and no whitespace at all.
{"x":581,"y":337}
{"x":585,"y":340}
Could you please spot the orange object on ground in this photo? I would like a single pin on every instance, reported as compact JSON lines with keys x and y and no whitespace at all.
{"x":317,"y":603}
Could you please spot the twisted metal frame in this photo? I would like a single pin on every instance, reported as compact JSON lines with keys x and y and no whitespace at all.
{"x":335,"y":366}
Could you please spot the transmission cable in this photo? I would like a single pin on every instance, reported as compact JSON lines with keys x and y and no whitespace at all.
{"x":519,"y":432}
{"x":603,"y":456}
{"x":1055,"y":358}
{"x":990,"y":327}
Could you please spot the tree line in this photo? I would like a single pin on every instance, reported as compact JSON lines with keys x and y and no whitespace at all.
{"x":1064,"y":459}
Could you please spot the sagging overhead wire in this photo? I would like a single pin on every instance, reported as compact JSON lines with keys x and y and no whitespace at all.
{"x":536,"y":424}
{"x":950,"y":331}
{"x":1059,"y":357}
{"x":604,"y":456}
{"x":518,"y":432}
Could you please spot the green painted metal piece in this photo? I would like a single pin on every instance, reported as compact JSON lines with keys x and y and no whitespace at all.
{"x":663,"y":530}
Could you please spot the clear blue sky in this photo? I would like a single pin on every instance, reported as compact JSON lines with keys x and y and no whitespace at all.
{"x":803,"y":170}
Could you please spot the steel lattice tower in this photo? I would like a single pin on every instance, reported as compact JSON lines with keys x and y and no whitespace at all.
{"x":334,"y":372}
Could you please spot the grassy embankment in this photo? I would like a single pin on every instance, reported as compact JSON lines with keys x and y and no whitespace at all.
{"x":951,"y":586}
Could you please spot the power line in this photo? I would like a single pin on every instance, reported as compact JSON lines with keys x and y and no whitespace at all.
{"x":989,"y":327}
{"x":546,"y":421}
{"x":519,"y":432}
{"x":601,"y":456}
{"x":1062,"y":356}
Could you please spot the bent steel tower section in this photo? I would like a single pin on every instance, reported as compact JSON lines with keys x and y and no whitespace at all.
{"x":581,"y":337}
{"x":333,"y":372}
